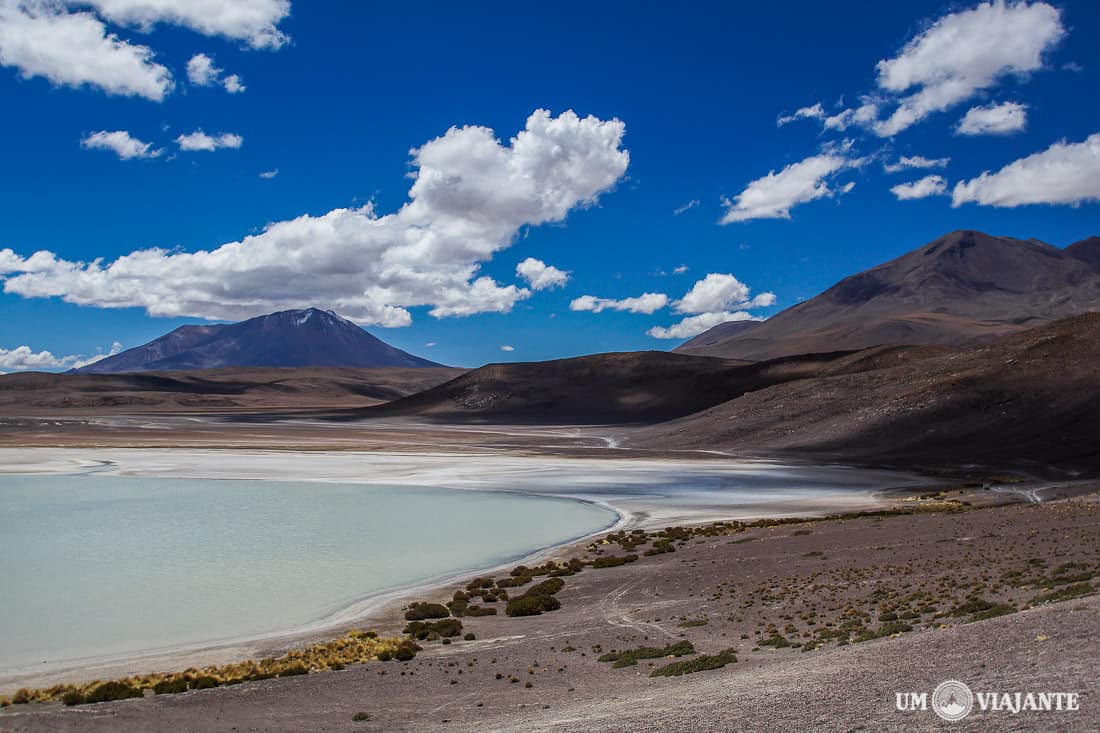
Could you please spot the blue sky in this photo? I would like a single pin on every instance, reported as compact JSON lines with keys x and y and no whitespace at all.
{"x":674,"y":111}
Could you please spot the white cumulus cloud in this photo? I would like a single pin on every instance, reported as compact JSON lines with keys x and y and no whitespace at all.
{"x":920,"y":189}
{"x":199,"y":140}
{"x":233,"y":84}
{"x":268,"y":175}
{"x":813,"y":112}
{"x":68,"y":43}
{"x":695,"y":325}
{"x":253,"y":21}
{"x":865,"y":114}
{"x":23,"y":359}
{"x":774,"y":195}
{"x":994,"y":119}
{"x":506,"y":347}
{"x":1064,"y":173}
{"x":686,"y":207}
{"x":953,"y":59}
{"x":915,"y":161}
{"x":471,"y":195}
{"x":202,"y":72}
{"x":541,"y":276}
{"x":75,"y":49}
{"x":121,"y":143}
{"x":717,"y":298}
{"x":645,"y":303}
{"x":715,"y":292}
{"x":964,"y":53}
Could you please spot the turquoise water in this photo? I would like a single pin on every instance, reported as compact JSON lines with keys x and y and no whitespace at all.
{"x":100,"y":566}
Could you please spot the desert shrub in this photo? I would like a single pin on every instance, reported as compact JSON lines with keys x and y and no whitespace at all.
{"x":405,"y":652}
{"x":520,"y":570}
{"x":693,"y":624}
{"x":700,"y":664}
{"x":515,"y":582}
{"x":546,"y":587}
{"x":972,"y":605}
{"x":204,"y":683}
{"x":630,"y":657}
{"x":360,"y":717}
{"x":112,"y":691}
{"x":1064,"y":594}
{"x":22,"y":696}
{"x":526,"y":605}
{"x":887,"y":629}
{"x":418,"y":611}
{"x":72,"y":697}
{"x":480,"y":583}
{"x":479,"y":611}
{"x":660,"y":547}
{"x":170,"y":687}
{"x":424,"y":629}
{"x":294,"y":670}
{"x":385,"y":655}
{"x":538,"y":599}
{"x":776,"y":640}
{"x":469,"y":636}
{"x":997,"y":609}
{"x":613,"y":561}
{"x":1065,"y":579}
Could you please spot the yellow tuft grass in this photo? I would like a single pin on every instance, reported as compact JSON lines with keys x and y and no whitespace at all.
{"x":353,"y":648}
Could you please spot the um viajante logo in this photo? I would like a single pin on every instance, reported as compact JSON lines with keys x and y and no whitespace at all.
{"x":953,"y":700}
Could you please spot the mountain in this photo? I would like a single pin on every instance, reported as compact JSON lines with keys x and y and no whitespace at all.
{"x":716,"y":335}
{"x":1087,"y":250}
{"x":219,"y":391}
{"x":293,"y":338}
{"x":963,"y":286}
{"x":1029,"y":399}
{"x":602,"y":388}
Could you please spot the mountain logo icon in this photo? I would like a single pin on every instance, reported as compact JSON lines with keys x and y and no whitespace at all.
{"x":952,"y":700}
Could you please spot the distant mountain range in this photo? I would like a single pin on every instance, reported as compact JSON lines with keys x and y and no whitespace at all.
{"x":637,"y":386}
{"x":293,"y":338}
{"x":964,"y":286}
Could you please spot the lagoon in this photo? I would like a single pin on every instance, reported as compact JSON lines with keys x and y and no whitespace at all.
{"x":106,"y":566}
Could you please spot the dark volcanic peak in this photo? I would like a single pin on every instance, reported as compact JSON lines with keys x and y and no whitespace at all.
{"x":1087,"y":250}
{"x":965,"y":285}
{"x":293,"y":338}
